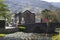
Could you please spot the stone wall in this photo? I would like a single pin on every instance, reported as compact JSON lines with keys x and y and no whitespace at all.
{"x":41,"y":27}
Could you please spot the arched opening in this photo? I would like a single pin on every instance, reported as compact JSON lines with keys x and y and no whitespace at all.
{"x":22,"y":20}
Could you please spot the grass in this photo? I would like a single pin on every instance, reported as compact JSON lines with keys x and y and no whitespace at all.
{"x":22,"y":27}
{"x":2,"y":35}
{"x":56,"y":37}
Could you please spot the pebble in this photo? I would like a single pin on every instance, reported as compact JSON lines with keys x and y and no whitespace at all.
{"x":25,"y":36}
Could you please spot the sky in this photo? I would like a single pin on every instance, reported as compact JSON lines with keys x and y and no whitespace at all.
{"x":52,"y":0}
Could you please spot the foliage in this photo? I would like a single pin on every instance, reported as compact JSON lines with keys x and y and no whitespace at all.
{"x":3,"y":9}
{"x":22,"y":27}
{"x":57,"y":12}
{"x":45,"y":13}
{"x":2,"y":35}
{"x":49,"y":14}
{"x":56,"y":37}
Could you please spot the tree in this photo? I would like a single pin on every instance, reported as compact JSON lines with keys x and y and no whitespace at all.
{"x":3,"y":10}
{"x":50,"y":15}
{"x":57,"y":12}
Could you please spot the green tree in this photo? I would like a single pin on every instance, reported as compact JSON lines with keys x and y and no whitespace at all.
{"x":3,"y":10}
{"x":50,"y":15}
{"x":57,"y":12}
{"x":45,"y":13}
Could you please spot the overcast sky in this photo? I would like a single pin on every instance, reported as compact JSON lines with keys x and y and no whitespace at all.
{"x":52,"y":0}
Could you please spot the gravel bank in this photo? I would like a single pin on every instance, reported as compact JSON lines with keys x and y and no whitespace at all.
{"x":25,"y":36}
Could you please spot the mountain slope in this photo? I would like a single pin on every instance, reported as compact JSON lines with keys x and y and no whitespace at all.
{"x":32,"y":5}
{"x":56,"y":4}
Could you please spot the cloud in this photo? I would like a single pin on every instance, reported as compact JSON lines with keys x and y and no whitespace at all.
{"x":52,"y":0}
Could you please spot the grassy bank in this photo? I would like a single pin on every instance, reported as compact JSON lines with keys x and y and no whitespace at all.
{"x":56,"y":37}
{"x":2,"y":35}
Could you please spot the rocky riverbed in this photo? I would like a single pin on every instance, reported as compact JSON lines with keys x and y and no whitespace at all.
{"x":26,"y":36}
